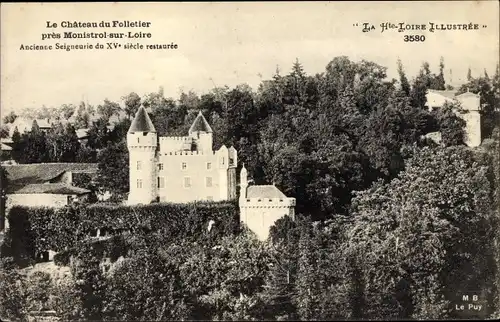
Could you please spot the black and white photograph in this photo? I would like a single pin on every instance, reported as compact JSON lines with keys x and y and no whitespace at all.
{"x":250,"y":161}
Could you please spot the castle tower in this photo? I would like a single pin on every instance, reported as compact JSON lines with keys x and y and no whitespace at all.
{"x":142,"y":143}
{"x":201,"y":132}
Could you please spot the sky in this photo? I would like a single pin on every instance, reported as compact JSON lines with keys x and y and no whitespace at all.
{"x":228,"y":44}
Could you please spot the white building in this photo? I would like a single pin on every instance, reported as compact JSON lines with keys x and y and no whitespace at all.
{"x":261,"y":206}
{"x":186,"y":169}
{"x":469,"y":102}
{"x":178,"y":169}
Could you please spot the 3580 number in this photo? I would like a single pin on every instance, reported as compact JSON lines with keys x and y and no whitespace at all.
{"x":414,"y":38}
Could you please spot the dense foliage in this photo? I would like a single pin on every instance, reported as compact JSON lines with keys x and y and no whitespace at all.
{"x":36,"y":230}
{"x":389,"y":224}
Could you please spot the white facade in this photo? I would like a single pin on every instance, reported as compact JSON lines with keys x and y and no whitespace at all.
{"x":262,"y":206}
{"x":469,"y":102}
{"x":178,"y":169}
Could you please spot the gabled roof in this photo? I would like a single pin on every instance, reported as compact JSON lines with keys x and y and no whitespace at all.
{"x":264,"y":191}
{"x":141,"y":122}
{"x":200,"y":124}
{"x":51,"y":188}
{"x":20,"y":175}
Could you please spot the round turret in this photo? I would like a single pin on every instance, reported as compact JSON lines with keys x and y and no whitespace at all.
{"x":142,"y":143}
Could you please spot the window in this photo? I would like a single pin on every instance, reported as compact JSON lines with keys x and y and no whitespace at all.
{"x":209,"y":165}
{"x":184,"y":166}
{"x":187,"y":182}
{"x":137,"y":140}
{"x":208,"y":181}
{"x":139,"y":165}
{"x":222,"y":161}
{"x":160,"y":166}
{"x":139,"y":183}
{"x":161,"y":182}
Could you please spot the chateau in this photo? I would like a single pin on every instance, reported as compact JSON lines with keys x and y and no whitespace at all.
{"x":186,"y":169}
{"x":178,"y":169}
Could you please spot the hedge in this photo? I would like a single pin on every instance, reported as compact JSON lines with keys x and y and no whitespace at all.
{"x":34,"y":230}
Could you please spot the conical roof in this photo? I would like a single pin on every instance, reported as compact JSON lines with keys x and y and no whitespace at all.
{"x":200,"y":124}
{"x":141,"y":122}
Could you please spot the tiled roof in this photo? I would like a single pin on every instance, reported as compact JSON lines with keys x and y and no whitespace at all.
{"x":265,"y":191}
{"x":51,"y":188}
{"x":141,"y":122}
{"x":200,"y":124}
{"x":23,"y":174}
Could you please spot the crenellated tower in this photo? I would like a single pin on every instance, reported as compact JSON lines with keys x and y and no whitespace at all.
{"x":142,"y":144}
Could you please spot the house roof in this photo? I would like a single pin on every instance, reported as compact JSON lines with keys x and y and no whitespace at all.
{"x":467,"y":94}
{"x":448,"y":94}
{"x":200,"y":124}
{"x":141,"y":122}
{"x":51,"y":188}
{"x":20,"y":175}
{"x":264,"y":191}
{"x":42,"y":123}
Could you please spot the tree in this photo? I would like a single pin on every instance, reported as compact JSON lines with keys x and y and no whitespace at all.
{"x":469,"y":75}
{"x":113,"y":168}
{"x":98,"y":134}
{"x":69,"y":144}
{"x":451,"y":125}
{"x":405,"y":85}
{"x":82,"y":117}
{"x":67,"y":111}
{"x":420,"y":86}
{"x":132,"y":103}
{"x":108,"y":109}
{"x":422,"y":229}
{"x":10,"y":118}
{"x":190,"y":100}
{"x":4,"y":131}
{"x":36,"y":145}
{"x":4,"y":184}
{"x":12,"y":294}
{"x":18,"y":146}
{"x":54,"y":142}
{"x":438,"y":81}
{"x":279,"y":289}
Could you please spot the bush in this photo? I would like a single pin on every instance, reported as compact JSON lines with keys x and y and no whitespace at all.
{"x":62,"y":258}
{"x":37,"y":229}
